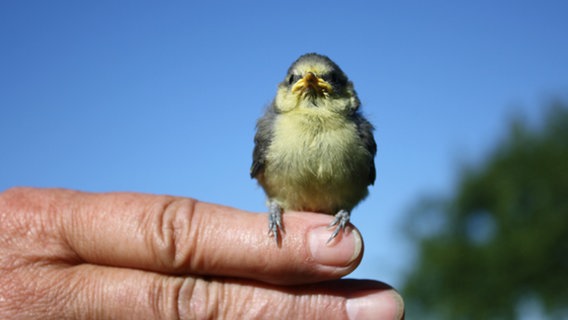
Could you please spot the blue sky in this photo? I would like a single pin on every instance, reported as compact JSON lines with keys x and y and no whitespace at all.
{"x":163,"y":97}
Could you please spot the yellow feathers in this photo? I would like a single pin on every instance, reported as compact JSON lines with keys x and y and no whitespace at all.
{"x":314,"y":160}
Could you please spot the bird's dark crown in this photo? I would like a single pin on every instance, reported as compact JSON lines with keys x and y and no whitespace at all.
{"x":322,"y":66}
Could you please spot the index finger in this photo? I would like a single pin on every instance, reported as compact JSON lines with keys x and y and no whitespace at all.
{"x":177,"y":235}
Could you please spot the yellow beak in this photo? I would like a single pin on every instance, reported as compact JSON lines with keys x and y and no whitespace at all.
{"x":313,"y":85}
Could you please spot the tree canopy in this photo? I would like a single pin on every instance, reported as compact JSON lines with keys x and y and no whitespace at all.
{"x":500,"y":242}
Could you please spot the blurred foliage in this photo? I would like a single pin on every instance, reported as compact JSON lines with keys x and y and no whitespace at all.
{"x":499,"y":245}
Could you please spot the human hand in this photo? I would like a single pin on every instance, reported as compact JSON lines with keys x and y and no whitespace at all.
{"x":68,"y":254}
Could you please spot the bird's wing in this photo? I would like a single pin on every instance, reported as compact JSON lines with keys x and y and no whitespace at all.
{"x":365,"y":130}
{"x":262,"y":139}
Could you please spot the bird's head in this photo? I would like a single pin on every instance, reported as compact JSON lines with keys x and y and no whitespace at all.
{"x":315,"y":81}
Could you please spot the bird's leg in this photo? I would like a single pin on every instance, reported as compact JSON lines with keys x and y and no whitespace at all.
{"x":274,"y":219}
{"x":341,"y":220}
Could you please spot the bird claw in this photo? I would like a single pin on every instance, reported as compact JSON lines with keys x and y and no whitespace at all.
{"x":275,"y":225}
{"x":339,"y":222}
{"x":275,"y":221}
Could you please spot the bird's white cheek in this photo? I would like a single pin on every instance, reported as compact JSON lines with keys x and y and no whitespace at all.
{"x":285,"y":101}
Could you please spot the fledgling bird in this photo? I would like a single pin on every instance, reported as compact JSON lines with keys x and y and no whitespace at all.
{"x":314,"y":150}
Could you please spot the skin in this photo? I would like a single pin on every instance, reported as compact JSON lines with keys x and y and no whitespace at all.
{"x":72,"y":255}
{"x":313,"y":150}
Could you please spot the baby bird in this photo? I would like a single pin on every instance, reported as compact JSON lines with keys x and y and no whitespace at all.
{"x":314,"y":150}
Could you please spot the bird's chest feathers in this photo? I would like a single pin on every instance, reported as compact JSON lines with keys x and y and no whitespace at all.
{"x":314,"y":145}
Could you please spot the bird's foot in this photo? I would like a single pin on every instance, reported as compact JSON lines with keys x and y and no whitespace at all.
{"x":340,"y":222}
{"x":274,"y":220}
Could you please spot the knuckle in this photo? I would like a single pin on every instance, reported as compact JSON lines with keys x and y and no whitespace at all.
{"x":174,"y":239}
{"x":233,"y":299}
{"x":189,"y":298}
{"x":203,"y":299}
{"x":197,"y":299}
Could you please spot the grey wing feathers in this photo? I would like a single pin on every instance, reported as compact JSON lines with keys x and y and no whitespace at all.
{"x":262,"y":139}
{"x":365,"y":129}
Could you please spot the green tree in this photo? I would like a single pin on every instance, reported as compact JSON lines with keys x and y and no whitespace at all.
{"x":500,"y":243}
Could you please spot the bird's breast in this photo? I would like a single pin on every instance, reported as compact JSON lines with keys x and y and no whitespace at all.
{"x":316,"y":161}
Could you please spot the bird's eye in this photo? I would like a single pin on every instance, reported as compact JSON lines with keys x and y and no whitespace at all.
{"x":330,"y":77}
{"x":335,"y":79}
{"x":291,"y":79}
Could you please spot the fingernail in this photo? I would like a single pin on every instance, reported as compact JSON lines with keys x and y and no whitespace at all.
{"x":340,"y":252}
{"x":383,"y":304}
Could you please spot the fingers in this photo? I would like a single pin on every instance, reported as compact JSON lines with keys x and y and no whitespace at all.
{"x":130,"y":294}
{"x":78,"y":255}
{"x":183,"y":236}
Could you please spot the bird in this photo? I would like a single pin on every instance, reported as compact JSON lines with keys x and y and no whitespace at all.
{"x":313,"y":148}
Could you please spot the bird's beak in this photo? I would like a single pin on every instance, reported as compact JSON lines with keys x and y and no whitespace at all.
{"x":311,"y":84}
